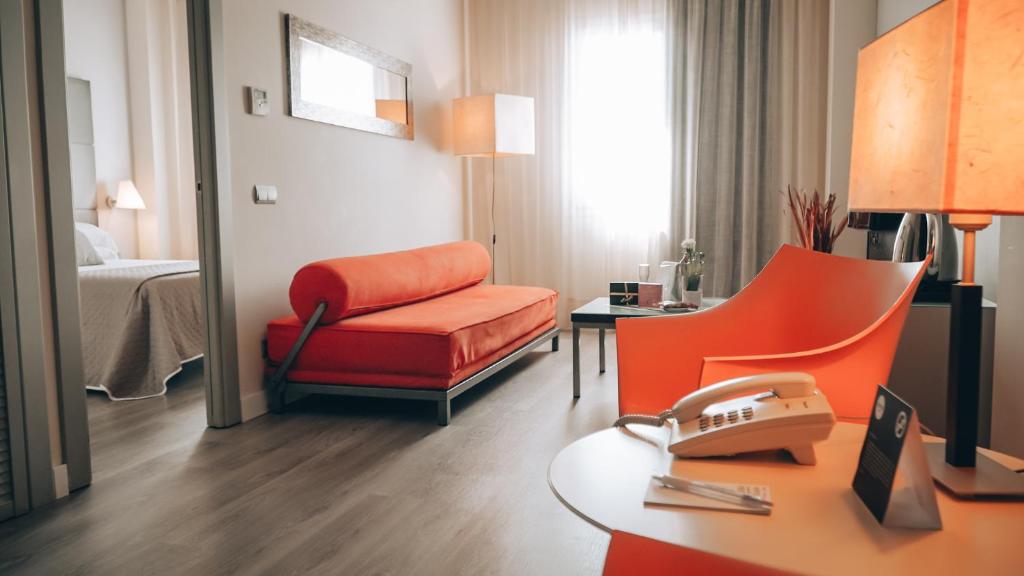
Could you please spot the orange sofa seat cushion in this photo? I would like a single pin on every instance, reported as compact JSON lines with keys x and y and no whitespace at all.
{"x":434,"y":343}
{"x":364,"y":284}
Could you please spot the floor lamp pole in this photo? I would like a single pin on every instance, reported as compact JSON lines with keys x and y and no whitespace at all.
{"x":494,"y":233}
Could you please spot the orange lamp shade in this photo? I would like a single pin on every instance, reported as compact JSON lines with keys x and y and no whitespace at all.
{"x":939,"y":113}
{"x":493,"y":125}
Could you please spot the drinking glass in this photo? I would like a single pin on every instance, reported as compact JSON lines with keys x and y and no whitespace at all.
{"x":645,"y":272}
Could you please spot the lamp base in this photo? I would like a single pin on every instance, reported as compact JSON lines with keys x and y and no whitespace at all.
{"x":987,"y":479}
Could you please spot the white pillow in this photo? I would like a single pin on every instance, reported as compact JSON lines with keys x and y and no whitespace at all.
{"x":85,"y":254}
{"x":101,"y":241}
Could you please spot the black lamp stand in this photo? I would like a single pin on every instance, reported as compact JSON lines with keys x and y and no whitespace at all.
{"x":956,"y":464}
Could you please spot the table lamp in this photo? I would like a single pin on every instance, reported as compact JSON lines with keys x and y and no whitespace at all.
{"x":939,"y":128}
{"x":493,"y":126}
{"x":128,"y":197}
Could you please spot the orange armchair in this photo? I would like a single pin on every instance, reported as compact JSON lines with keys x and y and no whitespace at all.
{"x":632,"y":555}
{"x":836,"y":318}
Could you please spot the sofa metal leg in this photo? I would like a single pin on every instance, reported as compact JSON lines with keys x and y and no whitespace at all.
{"x":444,"y":412}
{"x":554,"y":344}
{"x":275,"y":397}
{"x":277,"y":383}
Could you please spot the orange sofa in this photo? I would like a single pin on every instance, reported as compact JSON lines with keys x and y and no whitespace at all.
{"x":414,"y":324}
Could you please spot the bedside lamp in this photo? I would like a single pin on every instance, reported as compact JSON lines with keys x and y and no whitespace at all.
{"x":939,"y":128}
{"x":493,"y":126}
{"x":128,"y":197}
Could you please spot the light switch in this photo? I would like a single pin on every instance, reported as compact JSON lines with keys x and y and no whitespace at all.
{"x":259,"y":102}
{"x":264,"y":194}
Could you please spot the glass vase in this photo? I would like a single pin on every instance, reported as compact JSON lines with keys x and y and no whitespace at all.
{"x":693,"y":297}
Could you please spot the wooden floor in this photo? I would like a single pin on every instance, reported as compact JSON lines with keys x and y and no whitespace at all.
{"x":335,"y":486}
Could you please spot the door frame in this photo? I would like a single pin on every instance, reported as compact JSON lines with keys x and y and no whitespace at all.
{"x":10,"y":347}
{"x":212,"y":159}
{"x":22,"y":296}
{"x":213,"y":190}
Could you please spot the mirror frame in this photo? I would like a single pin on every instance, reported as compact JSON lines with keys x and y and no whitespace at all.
{"x":297,"y":29}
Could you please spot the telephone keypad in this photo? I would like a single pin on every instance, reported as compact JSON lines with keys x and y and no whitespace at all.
{"x":719,"y":419}
{"x":748,"y":412}
{"x":705,"y":423}
{"x":733,"y":416}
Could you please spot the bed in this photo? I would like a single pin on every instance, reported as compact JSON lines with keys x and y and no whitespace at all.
{"x":140,"y":319}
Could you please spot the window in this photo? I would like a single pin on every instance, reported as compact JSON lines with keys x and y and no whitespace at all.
{"x":620,"y":147}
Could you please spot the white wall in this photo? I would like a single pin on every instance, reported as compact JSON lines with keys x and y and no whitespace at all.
{"x":341,"y":192}
{"x":892,"y":13}
{"x":851,"y":26}
{"x":95,"y":51}
{"x":1008,"y":384}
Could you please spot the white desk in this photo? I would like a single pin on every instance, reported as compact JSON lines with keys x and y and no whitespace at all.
{"x":818,"y":525}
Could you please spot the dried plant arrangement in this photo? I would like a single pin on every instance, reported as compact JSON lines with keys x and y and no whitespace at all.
{"x":813,"y":219}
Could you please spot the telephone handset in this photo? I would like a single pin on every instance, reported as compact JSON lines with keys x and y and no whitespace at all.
{"x":790,"y":413}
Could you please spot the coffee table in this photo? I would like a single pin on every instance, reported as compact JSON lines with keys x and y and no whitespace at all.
{"x":600,"y":314}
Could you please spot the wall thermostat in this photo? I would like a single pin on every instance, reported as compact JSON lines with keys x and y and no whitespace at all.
{"x":259,"y":102}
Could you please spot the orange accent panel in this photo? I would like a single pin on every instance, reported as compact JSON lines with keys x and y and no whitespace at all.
{"x":365,"y":284}
{"x":836,"y":318}
{"x":393,"y":110}
{"x":429,"y":344}
{"x":631,"y":555}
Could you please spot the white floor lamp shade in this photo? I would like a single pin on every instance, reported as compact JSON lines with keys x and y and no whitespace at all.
{"x":493,"y":126}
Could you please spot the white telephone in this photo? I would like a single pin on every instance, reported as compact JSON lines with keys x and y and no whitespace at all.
{"x":790,"y":413}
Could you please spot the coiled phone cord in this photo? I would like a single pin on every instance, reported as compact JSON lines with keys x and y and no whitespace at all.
{"x":644,"y":419}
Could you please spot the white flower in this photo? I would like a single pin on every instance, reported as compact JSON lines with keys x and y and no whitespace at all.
{"x":689,"y":244}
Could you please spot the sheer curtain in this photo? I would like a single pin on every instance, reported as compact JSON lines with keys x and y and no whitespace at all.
{"x":657,"y":121}
{"x":161,"y":120}
{"x":595,"y":200}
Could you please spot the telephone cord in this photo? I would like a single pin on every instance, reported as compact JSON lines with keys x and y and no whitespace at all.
{"x":644,"y":419}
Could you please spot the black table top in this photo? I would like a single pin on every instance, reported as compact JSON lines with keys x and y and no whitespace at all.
{"x":599,"y":311}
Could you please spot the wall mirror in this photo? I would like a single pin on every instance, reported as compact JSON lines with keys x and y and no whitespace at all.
{"x":339,"y":81}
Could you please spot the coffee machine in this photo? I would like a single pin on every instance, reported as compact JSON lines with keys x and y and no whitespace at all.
{"x":909,"y":238}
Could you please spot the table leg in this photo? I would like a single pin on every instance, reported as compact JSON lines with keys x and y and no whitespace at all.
{"x":575,"y":361}
{"x":600,"y":336}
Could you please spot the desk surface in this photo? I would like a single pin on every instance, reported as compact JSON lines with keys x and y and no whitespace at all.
{"x":599,"y":310}
{"x":818,"y":524}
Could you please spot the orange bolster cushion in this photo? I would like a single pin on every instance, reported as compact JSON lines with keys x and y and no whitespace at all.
{"x":363,"y":284}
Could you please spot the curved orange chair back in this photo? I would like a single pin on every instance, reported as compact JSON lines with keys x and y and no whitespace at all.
{"x":837,"y":318}
{"x":632,"y":555}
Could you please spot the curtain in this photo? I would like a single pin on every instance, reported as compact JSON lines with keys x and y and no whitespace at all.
{"x":750,"y":113}
{"x":653,"y":119}
{"x":161,"y":119}
{"x":593,"y":203}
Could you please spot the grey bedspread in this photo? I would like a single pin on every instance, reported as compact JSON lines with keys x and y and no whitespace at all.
{"x":140,"y":321}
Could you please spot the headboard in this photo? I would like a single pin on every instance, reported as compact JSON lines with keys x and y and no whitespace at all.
{"x":83,"y":151}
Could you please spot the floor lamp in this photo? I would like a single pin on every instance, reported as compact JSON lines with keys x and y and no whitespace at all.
{"x":939,"y":128}
{"x":493,"y":126}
